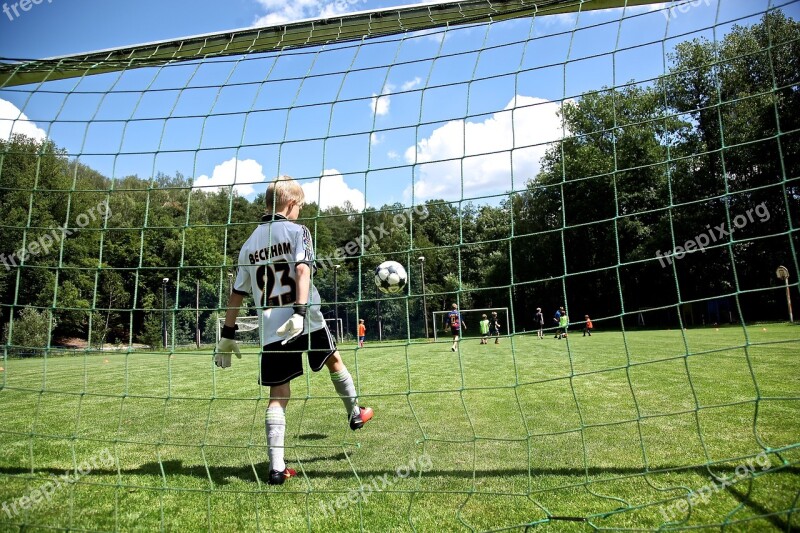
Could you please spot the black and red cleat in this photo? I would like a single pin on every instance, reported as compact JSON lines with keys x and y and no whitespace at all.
{"x":357,"y":422}
{"x":276,"y":477}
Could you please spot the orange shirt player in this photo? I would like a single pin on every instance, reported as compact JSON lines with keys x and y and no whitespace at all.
{"x":362,"y":332}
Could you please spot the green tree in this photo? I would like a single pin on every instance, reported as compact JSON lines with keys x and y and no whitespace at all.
{"x":29,"y":333}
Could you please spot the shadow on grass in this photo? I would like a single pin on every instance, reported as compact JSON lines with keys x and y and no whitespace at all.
{"x":312,"y":436}
{"x":776,"y":519}
{"x":221,"y":475}
{"x":218,"y":475}
{"x":255,"y":472}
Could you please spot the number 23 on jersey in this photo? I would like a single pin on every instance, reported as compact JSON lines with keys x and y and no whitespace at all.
{"x":279,"y":294}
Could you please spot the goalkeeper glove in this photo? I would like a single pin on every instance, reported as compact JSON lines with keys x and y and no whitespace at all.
{"x":293,"y":327}
{"x":225,"y":346}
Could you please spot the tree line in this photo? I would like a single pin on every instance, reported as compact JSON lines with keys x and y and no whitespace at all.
{"x":604,"y":228}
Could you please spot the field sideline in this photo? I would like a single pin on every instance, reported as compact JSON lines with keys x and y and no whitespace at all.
{"x":611,"y":431}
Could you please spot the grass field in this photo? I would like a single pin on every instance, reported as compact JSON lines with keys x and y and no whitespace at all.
{"x":615,"y":430}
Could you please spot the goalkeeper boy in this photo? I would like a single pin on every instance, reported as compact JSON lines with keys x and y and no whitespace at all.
{"x":275,"y":267}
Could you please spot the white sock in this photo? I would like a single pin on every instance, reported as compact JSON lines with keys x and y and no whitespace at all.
{"x":346,"y":389}
{"x":276,"y":426}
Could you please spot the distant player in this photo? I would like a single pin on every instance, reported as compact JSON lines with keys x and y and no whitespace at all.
{"x":275,"y":267}
{"x":557,"y":320}
{"x":538,"y":320}
{"x":456,"y":323}
{"x":494,"y":327}
{"x":587,"y":326}
{"x":484,"y":329}
{"x":563,"y":325}
{"x":362,"y":332}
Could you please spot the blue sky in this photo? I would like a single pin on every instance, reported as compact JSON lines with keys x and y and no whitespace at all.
{"x":465,"y":113}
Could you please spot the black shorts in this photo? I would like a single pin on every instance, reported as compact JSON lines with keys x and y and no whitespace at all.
{"x":455,"y":331}
{"x":494,"y":331}
{"x":281,"y":363}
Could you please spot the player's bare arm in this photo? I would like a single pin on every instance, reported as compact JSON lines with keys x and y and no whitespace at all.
{"x":303,"y":272}
{"x":234,"y":304}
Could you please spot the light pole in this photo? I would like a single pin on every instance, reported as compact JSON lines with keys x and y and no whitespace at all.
{"x":378,"y":308}
{"x":197,"y":311}
{"x":164,"y":282}
{"x":336,"y":301}
{"x":783,"y":274}
{"x":424,"y":299}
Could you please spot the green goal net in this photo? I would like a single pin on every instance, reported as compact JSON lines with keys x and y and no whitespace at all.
{"x":621,"y":174}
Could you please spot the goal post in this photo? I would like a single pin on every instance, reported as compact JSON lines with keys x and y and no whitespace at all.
{"x":335,"y":326}
{"x":472,"y":318}
{"x":247,"y":331}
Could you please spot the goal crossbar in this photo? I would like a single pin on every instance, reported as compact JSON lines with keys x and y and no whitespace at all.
{"x":300,"y":34}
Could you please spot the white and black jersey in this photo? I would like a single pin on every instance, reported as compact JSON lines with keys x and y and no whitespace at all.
{"x":266,"y":271}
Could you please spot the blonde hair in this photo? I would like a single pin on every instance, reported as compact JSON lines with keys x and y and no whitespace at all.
{"x":280,"y":192}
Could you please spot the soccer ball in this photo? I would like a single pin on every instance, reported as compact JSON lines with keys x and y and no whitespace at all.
{"x":390,"y":277}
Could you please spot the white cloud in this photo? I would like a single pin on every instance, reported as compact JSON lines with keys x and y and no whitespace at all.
{"x":283,"y":11}
{"x":12,"y":120}
{"x":410,"y":84}
{"x":243,"y":172}
{"x":333,"y":191}
{"x":479,"y":154}
{"x":375,"y":139}
{"x":391,"y":154}
{"x":380,"y":104}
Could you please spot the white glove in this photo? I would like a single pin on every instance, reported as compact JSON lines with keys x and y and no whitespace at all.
{"x":225,"y":346}
{"x":293,"y":327}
